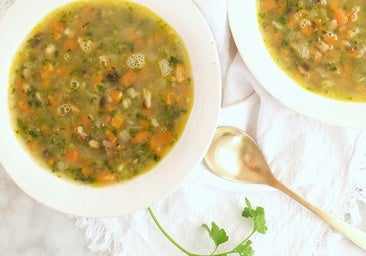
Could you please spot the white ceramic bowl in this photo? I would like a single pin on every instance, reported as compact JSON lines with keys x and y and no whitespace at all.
{"x":141,"y":192}
{"x":245,"y":29}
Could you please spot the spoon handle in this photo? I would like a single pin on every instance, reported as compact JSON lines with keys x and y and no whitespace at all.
{"x":355,"y":235}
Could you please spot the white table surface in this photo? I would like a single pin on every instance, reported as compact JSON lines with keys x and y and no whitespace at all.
{"x":30,"y":229}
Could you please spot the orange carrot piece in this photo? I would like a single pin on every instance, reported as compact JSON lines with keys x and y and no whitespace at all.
{"x":340,"y":16}
{"x":96,"y":79}
{"x":24,"y":106}
{"x":160,"y":141}
{"x":58,"y":29}
{"x":269,"y":4}
{"x":128,"y":78}
{"x":58,"y":26}
{"x":116,"y":95}
{"x":85,"y":122}
{"x":156,"y":145}
{"x":111,"y":136}
{"x":72,"y":155}
{"x":46,"y":130}
{"x":70,"y":45}
{"x":86,"y":171}
{"x":144,"y":123}
{"x":52,"y":103}
{"x":117,"y":121}
{"x":307,"y":30}
{"x":140,"y":137}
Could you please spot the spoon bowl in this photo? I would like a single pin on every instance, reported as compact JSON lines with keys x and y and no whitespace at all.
{"x":235,"y":156}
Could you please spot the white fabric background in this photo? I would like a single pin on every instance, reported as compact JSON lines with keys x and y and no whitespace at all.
{"x":325,"y":164}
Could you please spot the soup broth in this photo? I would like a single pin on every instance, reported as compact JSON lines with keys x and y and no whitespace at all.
{"x":320,"y":44}
{"x":100,"y":91}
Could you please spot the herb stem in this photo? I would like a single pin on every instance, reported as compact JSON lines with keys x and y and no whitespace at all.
{"x":166,"y":233}
{"x":162,"y":230}
{"x":248,"y":237}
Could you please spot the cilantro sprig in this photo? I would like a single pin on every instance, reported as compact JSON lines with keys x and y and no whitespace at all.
{"x":219,"y":235}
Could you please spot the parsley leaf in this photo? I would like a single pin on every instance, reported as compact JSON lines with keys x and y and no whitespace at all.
{"x":245,"y":249}
{"x":257,"y":215}
{"x":217,"y":234}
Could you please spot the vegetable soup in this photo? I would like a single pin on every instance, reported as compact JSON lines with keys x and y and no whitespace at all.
{"x":100,"y":91}
{"x":319,"y":43}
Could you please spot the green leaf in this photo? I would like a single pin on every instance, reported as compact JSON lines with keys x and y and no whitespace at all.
{"x":245,"y":249}
{"x":217,"y":235}
{"x":257,"y":215}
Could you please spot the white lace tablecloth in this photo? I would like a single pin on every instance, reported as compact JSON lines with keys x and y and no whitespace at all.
{"x":324,"y":164}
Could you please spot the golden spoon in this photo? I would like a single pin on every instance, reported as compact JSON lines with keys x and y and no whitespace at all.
{"x":234,"y":155}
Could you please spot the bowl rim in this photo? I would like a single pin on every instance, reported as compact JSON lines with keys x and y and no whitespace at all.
{"x":151,"y":187}
{"x":243,"y":22}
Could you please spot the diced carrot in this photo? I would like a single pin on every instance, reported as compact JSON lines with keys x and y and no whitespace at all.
{"x":46,"y":72}
{"x":307,"y":30}
{"x":58,"y":26}
{"x":160,"y":141}
{"x":58,"y":29}
{"x":85,"y":122}
{"x":340,"y":16}
{"x":144,"y":123}
{"x":293,"y":20}
{"x":155,"y":145}
{"x":277,"y":39}
{"x":116,"y":95}
{"x":106,"y":177}
{"x":330,"y":40}
{"x":269,"y":4}
{"x":185,"y":89}
{"x":128,"y":78}
{"x":70,"y":45}
{"x":52,"y":103}
{"x":111,"y":136}
{"x":24,"y":106}
{"x":86,"y":171}
{"x":355,"y":54}
{"x":166,"y":137}
{"x":31,"y":146}
{"x":96,"y":79}
{"x":117,"y":121}
{"x":46,"y":130}
{"x":109,"y":106}
{"x":140,"y":137}
{"x":72,"y":155}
